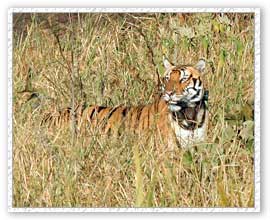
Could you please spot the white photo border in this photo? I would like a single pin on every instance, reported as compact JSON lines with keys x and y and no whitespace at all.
{"x":257,"y":179}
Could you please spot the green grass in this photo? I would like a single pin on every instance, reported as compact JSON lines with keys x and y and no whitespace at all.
{"x":114,"y":59}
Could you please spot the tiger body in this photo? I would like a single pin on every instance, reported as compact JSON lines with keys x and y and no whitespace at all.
{"x":179,"y":115}
{"x":134,"y":119}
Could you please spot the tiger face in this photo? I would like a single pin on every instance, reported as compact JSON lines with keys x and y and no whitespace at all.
{"x":182,"y":86}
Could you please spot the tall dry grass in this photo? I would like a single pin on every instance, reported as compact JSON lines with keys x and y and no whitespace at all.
{"x":61,"y":60}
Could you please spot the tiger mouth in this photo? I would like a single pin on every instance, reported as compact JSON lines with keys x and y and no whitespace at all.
{"x":183,"y":103}
{"x":173,"y":102}
{"x":172,"y":99}
{"x":179,"y":101}
{"x":174,"y":107}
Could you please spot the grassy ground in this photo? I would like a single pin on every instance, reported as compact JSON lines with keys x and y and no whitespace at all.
{"x":112,"y":59}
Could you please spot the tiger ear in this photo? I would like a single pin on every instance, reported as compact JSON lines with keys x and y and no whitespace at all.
{"x":167,"y":63}
{"x":200,"y":66}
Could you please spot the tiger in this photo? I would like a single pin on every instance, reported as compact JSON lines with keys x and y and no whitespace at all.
{"x":179,"y":113}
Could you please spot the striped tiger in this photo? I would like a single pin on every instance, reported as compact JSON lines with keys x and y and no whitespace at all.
{"x":180,"y":113}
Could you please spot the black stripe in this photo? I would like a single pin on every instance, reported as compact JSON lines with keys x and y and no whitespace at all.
{"x":194,"y":81}
{"x":196,"y":95}
{"x":186,"y":79}
{"x":125,"y":111}
{"x":111,"y":112}
{"x":92,"y":113}
{"x":96,"y":110}
{"x":49,"y":118}
{"x":139,"y":112}
{"x":100,"y":108}
{"x":198,"y":92}
{"x":200,"y":82}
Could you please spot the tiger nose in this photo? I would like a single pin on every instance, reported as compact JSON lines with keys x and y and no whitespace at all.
{"x":170,"y":93}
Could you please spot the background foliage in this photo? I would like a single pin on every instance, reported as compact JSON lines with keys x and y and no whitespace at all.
{"x":60,"y":60}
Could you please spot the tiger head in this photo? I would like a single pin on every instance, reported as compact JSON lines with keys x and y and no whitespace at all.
{"x":182,"y":86}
